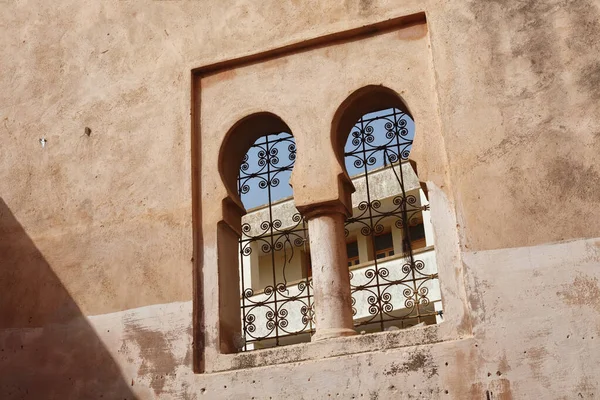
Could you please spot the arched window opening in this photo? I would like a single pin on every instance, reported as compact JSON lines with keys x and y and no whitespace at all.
{"x":276,"y":293}
{"x":394,"y":280}
{"x":264,"y":177}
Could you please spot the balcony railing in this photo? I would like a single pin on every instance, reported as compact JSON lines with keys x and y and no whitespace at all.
{"x":403,"y":297}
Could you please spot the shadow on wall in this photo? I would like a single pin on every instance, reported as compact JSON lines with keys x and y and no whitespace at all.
{"x":47,"y":349}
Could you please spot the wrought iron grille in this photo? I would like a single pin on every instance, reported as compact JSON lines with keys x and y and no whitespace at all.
{"x":276,"y":303}
{"x":395,"y":290}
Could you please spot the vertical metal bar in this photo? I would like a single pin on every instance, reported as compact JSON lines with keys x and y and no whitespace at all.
{"x":243,"y":295}
{"x":272,"y":231}
{"x":371,"y":224}
{"x":405,"y":222}
{"x":241,"y":241}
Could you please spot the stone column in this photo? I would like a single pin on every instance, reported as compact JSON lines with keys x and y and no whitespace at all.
{"x":331,"y":279}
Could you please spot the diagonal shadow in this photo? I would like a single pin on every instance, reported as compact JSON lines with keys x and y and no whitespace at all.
{"x":48,"y":350}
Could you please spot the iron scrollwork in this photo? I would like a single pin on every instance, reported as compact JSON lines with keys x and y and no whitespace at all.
{"x":390,"y":293}
{"x":280,"y":308}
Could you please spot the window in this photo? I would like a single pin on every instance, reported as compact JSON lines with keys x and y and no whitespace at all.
{"x":352,"y":250}
{"x":276,"y":298}
{"x":393,"y":286}
{"x":384,"y":245}
{"x":398,"y":287}
{"x":417,"y":237}
{"x":382,"y":294}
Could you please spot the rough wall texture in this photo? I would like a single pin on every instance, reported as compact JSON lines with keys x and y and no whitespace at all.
{"x":101,"y":224}
{"x":521,"y":119}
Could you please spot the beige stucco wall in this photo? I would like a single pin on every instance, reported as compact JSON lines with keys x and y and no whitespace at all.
{"x":103,"y":224}
{"x":537,"y":342}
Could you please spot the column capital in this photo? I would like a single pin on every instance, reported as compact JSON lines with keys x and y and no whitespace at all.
{"x":320,"y":209}
{"x":313,"y":205}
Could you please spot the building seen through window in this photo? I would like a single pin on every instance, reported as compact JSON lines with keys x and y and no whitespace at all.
{"x":389,"y":239}
{"x":276,"y":298}
{"x":395,"y":285}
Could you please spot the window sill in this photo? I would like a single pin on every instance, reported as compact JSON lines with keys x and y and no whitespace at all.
{"x":361,"y":343}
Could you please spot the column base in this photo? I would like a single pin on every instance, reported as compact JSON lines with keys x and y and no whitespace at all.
{"x":331,"y":333}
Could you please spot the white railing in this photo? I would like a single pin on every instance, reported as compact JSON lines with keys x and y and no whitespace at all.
{"x":404,"y":292}
{"x":395,"y":285}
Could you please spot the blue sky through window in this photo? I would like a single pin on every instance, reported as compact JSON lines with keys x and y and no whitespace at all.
{"x":266,"y":171}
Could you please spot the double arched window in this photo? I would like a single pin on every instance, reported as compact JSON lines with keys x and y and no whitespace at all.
{"x":389,"y":249}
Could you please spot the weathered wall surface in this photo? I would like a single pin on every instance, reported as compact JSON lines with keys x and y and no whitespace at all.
{"x":102,"y":224}
{"x":519,"y":93}
{"x":538,"y":340}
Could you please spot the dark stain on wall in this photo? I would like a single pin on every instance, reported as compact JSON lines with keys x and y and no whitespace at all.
{"x":589,"y":80}
{"x":245,"y":360}
{"x":571,"y":178}
{"x":585,"y":25}
{"x":41,"y":357}
{"x":586,"y":387}
{"x":584,"y":291}
{"x":477,"y":305}
{"x":536,"y":65}
{"x":157,"y":360}
{"x":532,"y":37}
{"x":536,"y":357}
{"x":499,"y":390}
{"x":418,"y":360}
{"x":365,"y":5}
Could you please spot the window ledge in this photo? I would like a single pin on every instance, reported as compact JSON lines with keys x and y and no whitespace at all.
{"x":337,"y":347}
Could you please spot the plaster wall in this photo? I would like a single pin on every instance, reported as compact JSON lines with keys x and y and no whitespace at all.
{"x":96,"y":231}
{"x":536,"y":342}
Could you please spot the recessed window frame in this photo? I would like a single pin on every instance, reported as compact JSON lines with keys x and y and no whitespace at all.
{"x":207,"y":357}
